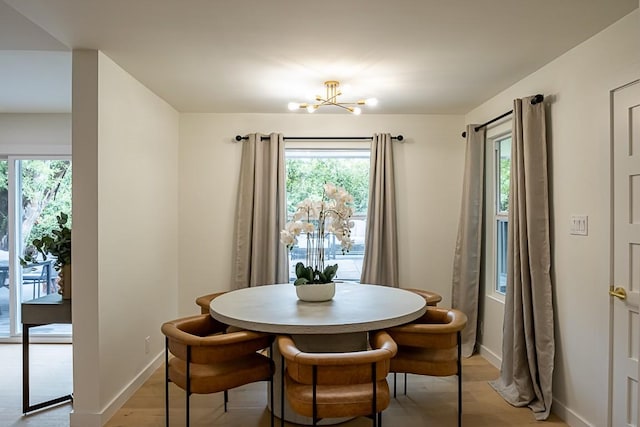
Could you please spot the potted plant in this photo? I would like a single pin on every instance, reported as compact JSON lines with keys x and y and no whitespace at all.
{"x":58,"y":244}
{"x":316,"y":220}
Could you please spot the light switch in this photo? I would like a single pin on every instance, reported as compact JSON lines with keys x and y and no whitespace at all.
{"x":579,"y":225}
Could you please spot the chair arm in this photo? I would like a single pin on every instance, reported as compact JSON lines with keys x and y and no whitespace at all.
{"x":384,"y":348}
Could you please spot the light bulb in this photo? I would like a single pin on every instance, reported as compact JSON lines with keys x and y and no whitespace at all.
{"x":357,"y":111}
{"x":311,"y":108}
{"x":371,"y":102}
{"x":293,"y":106}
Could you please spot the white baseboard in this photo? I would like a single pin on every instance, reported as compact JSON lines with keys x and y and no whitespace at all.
{"x":568,"y":416}
{"x":99,"y":419}
{"x":490,"y":356}
{"x":558,"y":408}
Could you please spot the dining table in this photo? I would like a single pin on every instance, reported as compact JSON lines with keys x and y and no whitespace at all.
{"x":338,"y":325}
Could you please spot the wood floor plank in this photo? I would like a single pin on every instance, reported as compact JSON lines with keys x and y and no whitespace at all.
{"x":429,"y":401}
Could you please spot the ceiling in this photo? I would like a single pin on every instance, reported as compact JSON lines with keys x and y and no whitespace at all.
{"x":254,"y":56}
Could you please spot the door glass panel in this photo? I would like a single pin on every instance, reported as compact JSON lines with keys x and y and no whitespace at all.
{"x":44,"y":187}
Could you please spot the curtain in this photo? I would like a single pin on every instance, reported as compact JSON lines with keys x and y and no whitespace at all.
{"x":467,"y":261}
{"x":528,"y":341}
{"x":380,"y":263}
{"x":260,"y":258}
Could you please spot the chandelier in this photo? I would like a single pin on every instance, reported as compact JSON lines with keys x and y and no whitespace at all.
{"x":331,"y":98}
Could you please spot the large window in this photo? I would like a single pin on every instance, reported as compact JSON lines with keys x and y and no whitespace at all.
{"x":307,"y":171}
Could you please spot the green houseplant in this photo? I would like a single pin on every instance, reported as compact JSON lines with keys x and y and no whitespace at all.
{"x":316,"y":220}
{"x":58,"y":244}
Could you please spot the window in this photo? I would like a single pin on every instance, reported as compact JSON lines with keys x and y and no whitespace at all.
{"x":307,"y":170}
{"x":502,"y":174}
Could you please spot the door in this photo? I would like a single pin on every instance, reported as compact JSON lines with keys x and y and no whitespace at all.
{"x":625,"y":286}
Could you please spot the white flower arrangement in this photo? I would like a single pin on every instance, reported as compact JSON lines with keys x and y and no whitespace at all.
{"x":317,"y":219}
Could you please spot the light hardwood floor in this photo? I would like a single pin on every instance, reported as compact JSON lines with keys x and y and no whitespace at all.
{"x":430,"y":401}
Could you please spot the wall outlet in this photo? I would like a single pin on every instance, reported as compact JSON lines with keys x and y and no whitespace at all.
{"x":147,"y":345}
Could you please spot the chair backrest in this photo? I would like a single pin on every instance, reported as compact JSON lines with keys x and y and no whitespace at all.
{"x":437,"y":333}
{"x":208,"y":341}
{"x":205,"y":300}
{"x":339,"y":368}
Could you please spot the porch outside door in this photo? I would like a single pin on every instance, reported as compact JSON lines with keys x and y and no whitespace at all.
{"x":625,"y":257}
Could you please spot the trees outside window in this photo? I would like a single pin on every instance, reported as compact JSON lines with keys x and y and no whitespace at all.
{"x":307,"y":170}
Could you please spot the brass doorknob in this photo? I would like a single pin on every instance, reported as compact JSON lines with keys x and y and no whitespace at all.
{"x":618,"y":293}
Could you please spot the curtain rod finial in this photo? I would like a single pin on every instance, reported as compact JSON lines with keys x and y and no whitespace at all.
{"x":239,"y":138}
{"x":537,"y":99}
{"x":464,"y":134}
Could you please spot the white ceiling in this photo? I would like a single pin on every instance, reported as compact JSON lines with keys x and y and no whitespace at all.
{"x":254,"y":56}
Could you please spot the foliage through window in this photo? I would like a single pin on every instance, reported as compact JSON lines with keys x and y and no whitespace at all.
{"x":307,"y":170}
{"x":502,"y":178}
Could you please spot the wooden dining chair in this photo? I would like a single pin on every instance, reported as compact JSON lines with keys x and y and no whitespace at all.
{"x":430,"y":345}
{"x":334,"y":385}
{"x":206,"y":359}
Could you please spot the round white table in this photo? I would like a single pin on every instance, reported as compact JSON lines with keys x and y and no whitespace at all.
{"x":338,"y":325}
{"x":354,"y":308}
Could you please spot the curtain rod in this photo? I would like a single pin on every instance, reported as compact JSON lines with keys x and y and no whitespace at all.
{"x":316,"y":138}
{"x":535,"y":100}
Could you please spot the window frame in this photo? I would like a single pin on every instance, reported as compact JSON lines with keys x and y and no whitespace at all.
{"x":493,"y":214}
{"x":329,"y":147}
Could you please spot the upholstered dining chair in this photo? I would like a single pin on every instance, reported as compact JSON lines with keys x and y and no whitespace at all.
{"x":334,"y":385}
{"x":205,"y":300}
{"x":431,"y":346}
{"x":432,"y":298}
{"x":205,"y":359}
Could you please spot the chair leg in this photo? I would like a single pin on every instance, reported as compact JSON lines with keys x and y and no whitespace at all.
{"x":226,"y":399}
{"x":459,"y":379}
{"x":166,"y":381}
{"x":282,"y":391}
{"x":314,"y":396}
{"x":188,"y":391}
{"x":394,"y":384}
{"x":271,"y":386}
{"x":405,"y":383}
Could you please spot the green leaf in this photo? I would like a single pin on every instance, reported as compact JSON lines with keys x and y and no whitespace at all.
{"x":300,"y":281}
{"x":330,"y":272}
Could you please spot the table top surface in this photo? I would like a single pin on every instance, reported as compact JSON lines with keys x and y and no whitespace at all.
{"x":354,"y":308}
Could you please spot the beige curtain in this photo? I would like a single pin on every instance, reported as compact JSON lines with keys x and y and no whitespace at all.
{"x":528,"y":341}
{"x":380,"y":264}
{"x":467,"y":261}
{"x":260,"y":258}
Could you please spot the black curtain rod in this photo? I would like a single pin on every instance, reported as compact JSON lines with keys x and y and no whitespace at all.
{"x":316,"y":138}
{"x":535,"y":100}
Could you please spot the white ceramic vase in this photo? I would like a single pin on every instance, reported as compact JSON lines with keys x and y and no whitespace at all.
{"x":316,"y":292}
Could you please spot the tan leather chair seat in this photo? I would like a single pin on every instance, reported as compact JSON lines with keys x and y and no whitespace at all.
{"x":217,"y":360}
{"x":343,"y":382}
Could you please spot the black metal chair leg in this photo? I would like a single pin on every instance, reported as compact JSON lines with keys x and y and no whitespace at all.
{"x":394,"y":384}
{"x":166,"y":381}
{"x":188,"y":391}
{"x":226,"y":399}
{"x":405,"y":383}
{"x":281,"y":391}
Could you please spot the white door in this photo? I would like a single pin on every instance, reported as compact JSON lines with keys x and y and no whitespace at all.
{"x":625,"y":286}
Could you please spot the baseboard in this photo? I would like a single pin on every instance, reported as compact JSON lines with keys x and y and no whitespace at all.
{"x":558,"y":408}
{"x":490,"y":356}
{"x":99,"y":419}
{"x":568,"y":416}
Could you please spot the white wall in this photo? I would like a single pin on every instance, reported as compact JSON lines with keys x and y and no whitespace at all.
{"x":35,"y":133}
{"x":125,"y":154}
{"x":576,"y":88}
{"x":429,"y":166}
